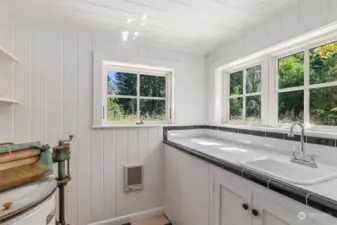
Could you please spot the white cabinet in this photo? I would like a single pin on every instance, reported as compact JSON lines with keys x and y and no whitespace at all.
{"x":202,"y":194}
{"x":273,"y":213}
{"x":231,"y":199}
{"x":238,"y":201}
{"x":187,"y":188}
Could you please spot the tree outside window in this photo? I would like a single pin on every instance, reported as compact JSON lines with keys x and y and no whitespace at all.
{"x":135,"y":96}
{"x":245,"y":95}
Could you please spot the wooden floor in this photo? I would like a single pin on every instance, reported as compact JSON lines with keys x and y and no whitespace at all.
{"x":157,"y":220}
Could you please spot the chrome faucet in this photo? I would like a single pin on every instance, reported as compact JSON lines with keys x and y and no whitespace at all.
{"x":141,"y":121}
{"x":301,"y":157}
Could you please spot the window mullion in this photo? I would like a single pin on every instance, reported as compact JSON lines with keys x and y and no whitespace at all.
{"x":244,"y":95}
{"x":306,"y":87}
{"x":138,"y":95}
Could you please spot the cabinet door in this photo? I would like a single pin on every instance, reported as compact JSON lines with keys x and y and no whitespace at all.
{"x":231,"y":199}
{"x":187,"y":188}
{"x":269,"y":212}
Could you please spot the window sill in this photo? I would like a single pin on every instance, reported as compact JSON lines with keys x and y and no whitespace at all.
{"x":113,"y":126}
{"x":315,"y":132}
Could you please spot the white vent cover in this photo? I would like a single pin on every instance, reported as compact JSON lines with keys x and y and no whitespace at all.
{"x":133,"y":178}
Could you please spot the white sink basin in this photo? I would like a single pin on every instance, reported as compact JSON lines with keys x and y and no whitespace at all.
{"x":290,"y":172}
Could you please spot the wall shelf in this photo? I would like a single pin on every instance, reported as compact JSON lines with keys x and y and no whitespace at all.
{"x":7,"y":55}
{"x":8,"y":100}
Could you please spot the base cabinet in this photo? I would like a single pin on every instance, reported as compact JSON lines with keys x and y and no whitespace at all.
{"x":187,"y":188}
{"x":199,"y":193}
{"x":237,"y":201}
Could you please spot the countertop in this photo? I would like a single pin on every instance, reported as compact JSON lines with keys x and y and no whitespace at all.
{"x":235,"y":153}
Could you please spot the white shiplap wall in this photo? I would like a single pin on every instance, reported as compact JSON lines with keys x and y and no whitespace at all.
{"x":53,"y":83}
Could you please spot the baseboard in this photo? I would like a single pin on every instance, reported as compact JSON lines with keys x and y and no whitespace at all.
{"x":131,"y":217}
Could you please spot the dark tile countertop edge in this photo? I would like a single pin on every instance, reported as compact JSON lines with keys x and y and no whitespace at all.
{"x":268,"y":134}
{"x":306,"y":197}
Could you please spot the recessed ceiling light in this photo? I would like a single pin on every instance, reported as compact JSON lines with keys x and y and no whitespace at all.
{"x":136,"y":34}
{"x":144,"y":17}
{"x":125,"y":37}
{"x":125,"y":32}
{"x":129,"y":21}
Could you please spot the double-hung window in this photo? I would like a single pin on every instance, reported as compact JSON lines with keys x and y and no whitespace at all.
{"x":307,"y":86}
{"x":245,"y":95}
{"x":134,"y":94}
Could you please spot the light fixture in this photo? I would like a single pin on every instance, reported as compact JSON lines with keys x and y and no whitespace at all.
{"x":125,"y":37}
{"x":136,"y":34}
{"x":144,"y":17}
{"x":125,"y":33}
{"x":129,"y":21}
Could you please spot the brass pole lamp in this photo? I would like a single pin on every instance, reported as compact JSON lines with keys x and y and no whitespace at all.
{"x":61,"y":156}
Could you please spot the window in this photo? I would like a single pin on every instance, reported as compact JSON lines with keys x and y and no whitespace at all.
{"x":319,"y":84}
{"x":294,"y":81}
{"x":323,"y":84}
{"x":245,"y":95}
{"x":134,"y":94}
{"x":290,"y":88}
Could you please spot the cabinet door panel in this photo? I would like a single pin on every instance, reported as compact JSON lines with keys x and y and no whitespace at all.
{"x":232,"y":212}
{"x":273,"y":213}
{"x":230,"y":193}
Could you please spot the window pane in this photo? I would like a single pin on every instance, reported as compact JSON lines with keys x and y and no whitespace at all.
{"x":236,"y":83}
{"x":323,"y":64}
{"x":291,"y":71}
{"x":151,"y":109}
{"x":323,"y":106}
{"x":253,"y":79}
{"x":122,"y":109}
{"x":152,"y":86}
{"x":236,"y":109}
{"x":253,"y":108}
{"x":290,"y":106}
{"x":120,"y":83}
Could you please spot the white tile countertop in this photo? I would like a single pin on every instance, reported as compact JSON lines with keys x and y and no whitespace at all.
{"x":237,"y":153}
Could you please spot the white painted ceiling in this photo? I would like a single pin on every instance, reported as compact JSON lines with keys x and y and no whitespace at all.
{"x":190,"y":25}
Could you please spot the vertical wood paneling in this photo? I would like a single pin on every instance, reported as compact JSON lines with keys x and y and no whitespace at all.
{"x":39,"y":85}
{"x":69,"y":118}
{"x":6,"y":82}
{"x":121,"y":160}
{"x":54,"y":86}
{"x":133,"y":145}
{"x":154,"y":162}
{"x":84,"y":116}
{"x":22,"y":79}
{"x":109,"y":176}
{"x":96,"y":171}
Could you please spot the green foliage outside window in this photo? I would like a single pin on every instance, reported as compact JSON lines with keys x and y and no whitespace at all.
{"x":323,"y":69}
{"x":121,"y":108}
{"x":252,"y":85}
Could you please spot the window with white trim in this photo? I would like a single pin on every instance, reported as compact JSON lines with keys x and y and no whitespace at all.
{"x":133,"y":94}
{"x":307,"y":86}
{"x":245,"y":95}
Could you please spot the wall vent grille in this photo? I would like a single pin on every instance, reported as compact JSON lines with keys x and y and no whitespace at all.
{"x":133,"y":178}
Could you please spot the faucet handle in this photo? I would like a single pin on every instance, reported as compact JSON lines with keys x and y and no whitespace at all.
{"x":313,"y":157}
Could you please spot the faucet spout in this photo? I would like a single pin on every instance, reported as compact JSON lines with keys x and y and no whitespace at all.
{"x":301,"y":157}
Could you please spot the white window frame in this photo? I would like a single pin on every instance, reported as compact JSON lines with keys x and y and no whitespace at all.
{"x":268,"y":58}
{"x":228,"y":96}
{"x":138,"y":70}
{"x":305,"y":48}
